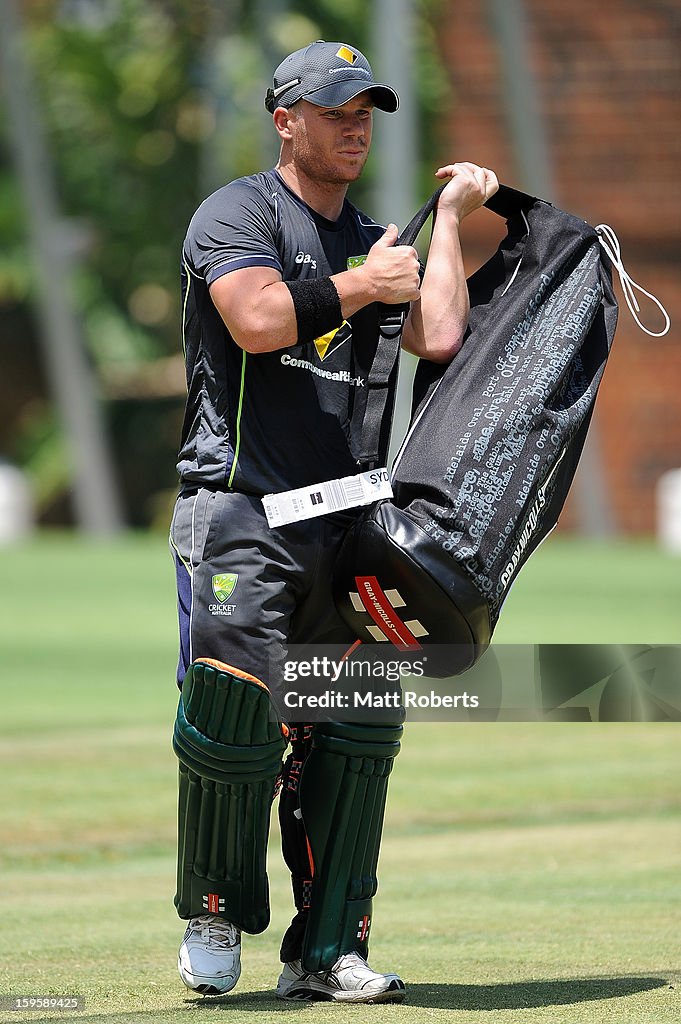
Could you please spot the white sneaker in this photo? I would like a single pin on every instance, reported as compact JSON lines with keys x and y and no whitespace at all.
{"x":209,"y":960}
{"x":350,"y":980}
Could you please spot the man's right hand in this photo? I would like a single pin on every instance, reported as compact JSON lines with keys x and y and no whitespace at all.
{"x":393,"y":270}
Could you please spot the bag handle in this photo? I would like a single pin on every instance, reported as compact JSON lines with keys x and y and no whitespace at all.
{"x":505,"y":202}
{"x":409,"y":234}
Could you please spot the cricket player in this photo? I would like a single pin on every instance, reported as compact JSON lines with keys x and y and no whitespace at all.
{"x":281,"y":282}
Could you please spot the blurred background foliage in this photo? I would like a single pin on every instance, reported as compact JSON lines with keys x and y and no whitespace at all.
{"x":148,"y":106}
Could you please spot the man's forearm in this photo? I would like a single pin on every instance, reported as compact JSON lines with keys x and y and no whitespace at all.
{"x":265,"y":318}
{"x":261,"y":312}
{"x":437,"y":322}
{"x":354,"y":291}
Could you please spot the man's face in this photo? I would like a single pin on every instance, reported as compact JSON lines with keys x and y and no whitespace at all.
{"x":331,"y":144}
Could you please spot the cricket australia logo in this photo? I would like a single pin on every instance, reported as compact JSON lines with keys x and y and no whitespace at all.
{"x":224,"y":585}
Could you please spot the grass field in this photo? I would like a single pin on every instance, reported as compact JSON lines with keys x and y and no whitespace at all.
{"x":529,"y":873}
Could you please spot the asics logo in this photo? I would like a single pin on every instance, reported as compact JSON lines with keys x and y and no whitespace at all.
{"x":355,"y":71}
{"x":304,"y":257}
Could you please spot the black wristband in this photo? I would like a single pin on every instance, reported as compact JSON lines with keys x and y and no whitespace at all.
{"x":317,"y":306}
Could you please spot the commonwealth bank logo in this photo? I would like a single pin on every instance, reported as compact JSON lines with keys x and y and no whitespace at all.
{"x":328,"y":343}
{"x":346,"y":54}
{"x":224,"y":585}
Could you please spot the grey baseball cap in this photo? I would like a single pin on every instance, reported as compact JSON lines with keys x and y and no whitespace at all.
{"x":329,"y":75}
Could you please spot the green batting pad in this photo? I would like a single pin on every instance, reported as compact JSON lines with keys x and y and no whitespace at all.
{"x":230,"y":747}
{"x":343,"y":791}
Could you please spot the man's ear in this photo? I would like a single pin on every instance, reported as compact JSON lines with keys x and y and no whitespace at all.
{"x":282,"y":122}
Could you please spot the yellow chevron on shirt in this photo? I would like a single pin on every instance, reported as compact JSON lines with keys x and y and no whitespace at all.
{"x":322,"y":343}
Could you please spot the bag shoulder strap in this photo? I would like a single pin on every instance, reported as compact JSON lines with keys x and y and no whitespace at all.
{"x":505,"y":202}
{"x":391,"y":323}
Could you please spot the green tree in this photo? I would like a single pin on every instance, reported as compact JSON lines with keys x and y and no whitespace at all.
{"x":133,"y":93}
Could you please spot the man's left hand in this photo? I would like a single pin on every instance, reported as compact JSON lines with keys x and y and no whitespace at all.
{"x":469,"y":188}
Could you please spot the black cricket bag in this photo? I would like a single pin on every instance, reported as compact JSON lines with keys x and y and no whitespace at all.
{"x":493,"y":445}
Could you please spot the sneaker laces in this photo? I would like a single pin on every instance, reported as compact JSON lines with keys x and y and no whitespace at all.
{"x":353,"y":955}
{"x":611,"y":246}
{"x":215,"y":930}
{"x":351,"y":959}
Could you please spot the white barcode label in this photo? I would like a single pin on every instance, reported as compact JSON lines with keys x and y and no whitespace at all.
{"x":329,"y":496}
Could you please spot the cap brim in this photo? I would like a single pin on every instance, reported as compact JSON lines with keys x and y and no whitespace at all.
{"x":339,"y":93}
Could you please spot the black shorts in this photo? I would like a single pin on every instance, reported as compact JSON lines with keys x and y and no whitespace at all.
{"x":246,"y":591}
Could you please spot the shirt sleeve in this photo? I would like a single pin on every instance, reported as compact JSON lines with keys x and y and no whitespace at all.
{"x":233,"y":228}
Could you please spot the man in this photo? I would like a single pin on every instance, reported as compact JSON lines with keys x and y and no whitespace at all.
{"x":282,"y":278}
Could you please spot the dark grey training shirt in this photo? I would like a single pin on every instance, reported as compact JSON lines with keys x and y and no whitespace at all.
{"x":283,"y":419}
